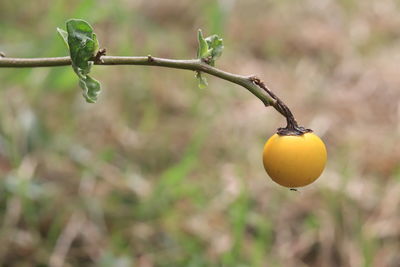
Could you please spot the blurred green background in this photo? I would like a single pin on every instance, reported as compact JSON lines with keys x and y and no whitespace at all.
{"x":160,"y":173}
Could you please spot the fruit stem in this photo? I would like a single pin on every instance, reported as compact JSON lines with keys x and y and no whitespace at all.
{"x":292,"y":128}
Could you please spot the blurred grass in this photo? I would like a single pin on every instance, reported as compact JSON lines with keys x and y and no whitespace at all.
{"x":160,"y":173}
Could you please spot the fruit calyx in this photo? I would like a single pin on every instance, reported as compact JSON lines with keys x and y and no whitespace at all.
{"x":292,"y":128}
{"x":297,"y":131}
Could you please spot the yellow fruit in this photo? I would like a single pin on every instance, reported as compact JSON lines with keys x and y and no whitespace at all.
{"x":294,"y":160}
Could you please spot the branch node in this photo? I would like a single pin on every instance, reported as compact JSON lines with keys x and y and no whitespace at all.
{"x":207,"y":60}
{"x":150,"y":58}
{"x":253,"y":78}
{"x":97,"y":58}
{"x":257,"y":81}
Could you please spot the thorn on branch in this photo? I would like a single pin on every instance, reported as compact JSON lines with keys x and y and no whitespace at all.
{"x":97,"y":58}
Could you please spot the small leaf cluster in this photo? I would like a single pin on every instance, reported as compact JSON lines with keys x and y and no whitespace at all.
{"x":210,"y":48}
{"x":83,"y":45}
{"x":83,"y":48}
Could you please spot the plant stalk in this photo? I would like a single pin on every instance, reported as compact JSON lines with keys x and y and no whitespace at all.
{"x":251,"y":83}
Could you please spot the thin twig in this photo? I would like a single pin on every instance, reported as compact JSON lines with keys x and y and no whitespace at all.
{"x":191,"y":64}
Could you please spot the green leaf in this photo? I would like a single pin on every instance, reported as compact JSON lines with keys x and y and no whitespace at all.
{"x":83,"y":45}
{"x":210,"y":48}
{"x":91,"y":88}
{"x":216,"y":46}
{"x":203,"y":51}
{"x":202,"y":81}
{"x":96,"y":44}
{"x":64,"y":35}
